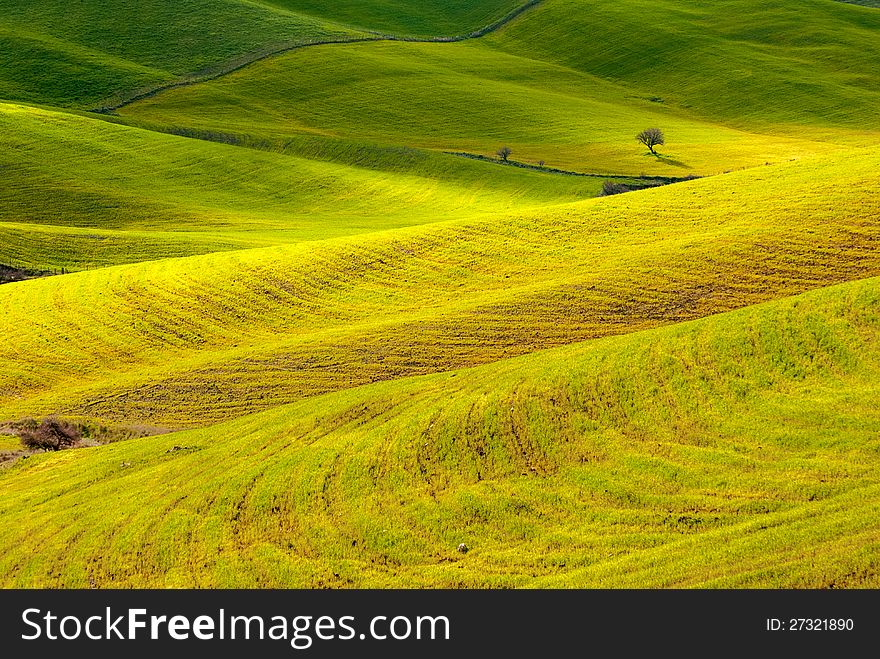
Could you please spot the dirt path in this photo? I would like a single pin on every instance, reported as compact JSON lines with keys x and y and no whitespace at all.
{"x":220,"y":70}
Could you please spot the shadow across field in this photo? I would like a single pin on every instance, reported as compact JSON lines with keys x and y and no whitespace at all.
{"x":668,"y":160}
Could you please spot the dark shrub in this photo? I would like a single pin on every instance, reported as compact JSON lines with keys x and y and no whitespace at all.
{"x":610,"y":188}
{"x":51,"y":434}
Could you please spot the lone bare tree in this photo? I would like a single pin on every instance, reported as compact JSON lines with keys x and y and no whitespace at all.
{"x":651,"y":137}
{"x":504,"y":153}
{"x":51,"y":435}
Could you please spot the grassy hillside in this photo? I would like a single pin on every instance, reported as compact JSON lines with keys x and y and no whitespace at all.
{"x":112,"y":194}
{"x":79,"y":53}
{"x":779,"y":82}
{"x":85,"y":53}
{"x":462,"y":97}
{"x":738,"y":450}
{"x":406,"y":17}
{"x":776,"y":63}
{"x":189,"y":341}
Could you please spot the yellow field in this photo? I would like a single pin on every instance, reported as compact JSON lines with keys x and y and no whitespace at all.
{"x":185,"y":341}
{"x":737,"y":450}
{"x":324,"y":335}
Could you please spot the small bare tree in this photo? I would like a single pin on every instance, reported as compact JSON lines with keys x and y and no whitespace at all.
{"x":504,"y":153}
{"x":51,"y":434}
{"x":651,"y":137}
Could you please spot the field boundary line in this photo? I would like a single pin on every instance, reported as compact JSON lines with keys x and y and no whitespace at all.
{"x":223,"y":69}
{"x":566,"y":172}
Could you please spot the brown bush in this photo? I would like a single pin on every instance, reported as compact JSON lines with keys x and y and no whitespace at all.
{"x":610,"y":188}
{"x":51,"y":434}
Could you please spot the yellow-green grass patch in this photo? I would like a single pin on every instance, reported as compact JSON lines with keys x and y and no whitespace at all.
{"x":740,"y":449}
{"x":467,"y":97}
{"x":188,"y":341}
{"x":134,"y":195}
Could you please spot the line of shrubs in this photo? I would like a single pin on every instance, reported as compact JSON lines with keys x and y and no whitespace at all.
{"x":55,"y":434}
{"x":614,"y":187}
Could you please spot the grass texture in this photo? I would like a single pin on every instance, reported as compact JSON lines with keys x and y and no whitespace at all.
{"x":776,"y":63}
{"x":737,"y":450}
{"x":75,"y":54}
{"x":406,"y":17}
{"x":113,"y":194}
{"x":187,"y":341}
{"x":368,"y":350}
{"x":781,"y":81}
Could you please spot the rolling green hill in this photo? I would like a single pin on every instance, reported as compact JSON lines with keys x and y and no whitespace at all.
{"x":776,"y":63}
{"x":779,"y":82}
{"x":112,"y":194}
{"x":371,"y":341}
{"x":77,"y":54}
{"x":80,"y":54}
{"x":192,"y":341}
{"x":406,"y":17}
{"x":462,"y":97}
{"x":738,"y":450}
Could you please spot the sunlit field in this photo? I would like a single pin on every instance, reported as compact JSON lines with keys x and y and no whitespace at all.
{"x":309,"y":325}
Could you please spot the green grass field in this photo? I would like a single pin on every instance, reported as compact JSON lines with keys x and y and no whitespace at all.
{"x":172,"y":340}
{"x":88,"y":53}
{"x":78,"y":54}
{"x":475,"y":100}
{"x":777,"y":63}
{"x":93,"y":204}
{"x":761,"y":96}
{"x":362,"y":348}
{"x":703,"y":454}
{"x":406,"y":17}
